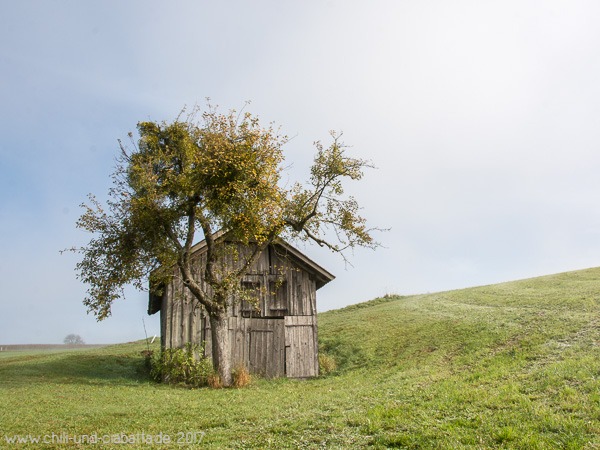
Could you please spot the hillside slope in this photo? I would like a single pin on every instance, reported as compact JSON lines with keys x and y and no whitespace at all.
{"x":513,"y":365}
{"x":557,"y":310}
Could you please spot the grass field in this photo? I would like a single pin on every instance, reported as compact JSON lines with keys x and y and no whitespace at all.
{"x":514,"y":365}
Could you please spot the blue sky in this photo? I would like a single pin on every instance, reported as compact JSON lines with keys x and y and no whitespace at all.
{"x":481,"y":116}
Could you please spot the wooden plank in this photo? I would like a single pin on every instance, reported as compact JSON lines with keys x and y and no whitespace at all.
{"x":175,"y":319}
{"x":299,"y":321}
{"x":313,"y":298}
{"x":301,"y":356}
{"x":275,"y":351}
{"x":295,"y":308}
{"x":207,"y":338}
{"x":243,"y":339}
{"x":182,"y":318}
{"x":199,"y":325}
{"x":168,"y":318}
{"x":187,"y":312}
{"x":301,"y":294}
{"x":190,"y":322}
{"x":266,"y":355}
{"x":163,"y":318}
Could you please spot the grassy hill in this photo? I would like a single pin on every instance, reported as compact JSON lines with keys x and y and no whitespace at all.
{"x":513,"y":365}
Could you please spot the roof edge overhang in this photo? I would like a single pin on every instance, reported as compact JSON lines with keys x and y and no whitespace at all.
{"x":323,"y":275}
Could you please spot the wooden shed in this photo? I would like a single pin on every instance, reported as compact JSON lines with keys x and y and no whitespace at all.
{"x":273,"y":335}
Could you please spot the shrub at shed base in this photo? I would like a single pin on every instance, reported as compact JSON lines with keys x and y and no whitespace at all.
{"x":185,"y":366}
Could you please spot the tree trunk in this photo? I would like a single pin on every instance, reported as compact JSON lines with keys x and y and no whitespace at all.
{"x":221,"y":347}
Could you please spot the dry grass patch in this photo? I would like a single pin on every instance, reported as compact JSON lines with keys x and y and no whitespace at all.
{"x":241,"y":377}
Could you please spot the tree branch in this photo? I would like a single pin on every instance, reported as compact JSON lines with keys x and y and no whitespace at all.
{"x":256,"y":253}
{"x":211,"y":257}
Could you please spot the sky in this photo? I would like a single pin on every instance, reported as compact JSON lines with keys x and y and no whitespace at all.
{"x":481,"y":117}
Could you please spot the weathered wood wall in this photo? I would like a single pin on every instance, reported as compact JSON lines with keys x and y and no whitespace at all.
{"x":256,"y":343}
{"x":281,"y":288}
{"x":275,"y":337}
{"x":181,"y":317}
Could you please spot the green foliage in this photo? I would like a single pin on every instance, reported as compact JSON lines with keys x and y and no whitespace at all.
{"x":327,"y":364}
{"x":319,"y":208}
{"x":227,"y":166}
{"x":199,"y":174}
{"x":185,"y":366}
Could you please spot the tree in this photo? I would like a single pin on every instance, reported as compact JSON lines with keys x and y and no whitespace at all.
{"x":73,"y":339}
{"x":199,"y":174}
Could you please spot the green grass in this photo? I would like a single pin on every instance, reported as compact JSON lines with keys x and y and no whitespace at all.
{"x":514,"y":365}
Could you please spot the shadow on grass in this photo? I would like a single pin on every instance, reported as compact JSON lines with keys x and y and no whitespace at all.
{"x":75,"y":368}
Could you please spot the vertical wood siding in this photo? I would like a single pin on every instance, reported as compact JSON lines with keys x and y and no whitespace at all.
{"x":181,"y":317}
{"x":278,"y":340}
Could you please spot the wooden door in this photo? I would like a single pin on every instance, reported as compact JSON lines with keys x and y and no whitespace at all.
{"x":266,"y":352}
{"x":301,"y":351}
